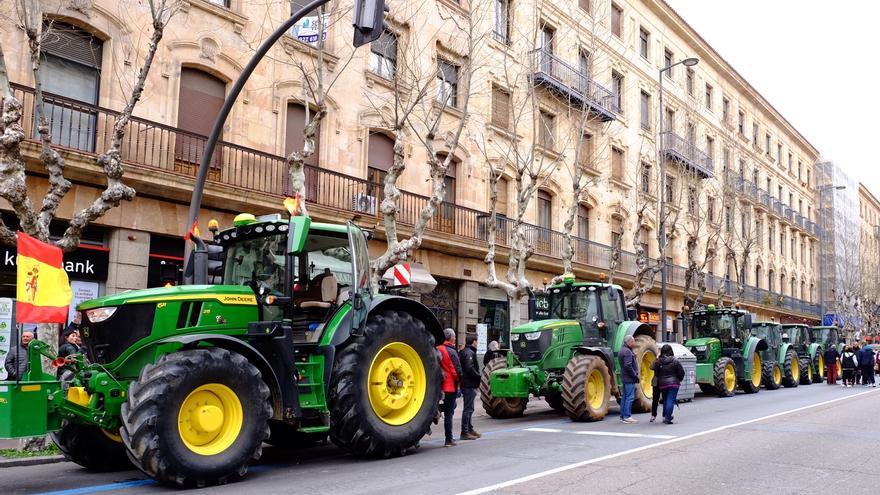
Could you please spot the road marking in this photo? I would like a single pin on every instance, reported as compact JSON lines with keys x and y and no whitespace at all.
{"x":544,"y":430}
{"x":601,"y":433}
{"x":587,"y":462}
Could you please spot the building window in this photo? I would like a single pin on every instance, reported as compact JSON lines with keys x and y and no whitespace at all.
{"x":780,"y":194}
{"x":667,"y":61}
{"x":585,"y":6}
{"x":808,"y":178}
{"x":644,"y":42}
{"x":670,"y":189}
{"x":759,"y":232}
{"x":771,"y":234}
{"x":758,"y":277}
{"x":646,"y":111}
{"x":500,"y":108}
{"x":710,"y":148}
{"x":725,"y":109}
{"x":799,"y":168}
{"x":501,"y":201}
{"x":725,"y":158}
{"x":690,"y":81}
{"x":709,"y":96}
{"x":547,"y":35}
{"x":617,"y":88}
{"x":692,"y":199}
{"x":617,"y":163}
{"x":584,"y":67}
{"x":782,"y":241}
{"x":670,"y":120}
{"x":778,"y":152}
{"x":200,"y":99}
{"x":767,"y":143}
{"x":645,"y":181}
{"x":545,"y":209}
{"x":771,"y":278}
{"x":383,"y":55}
{"x":583,"y":222}
{"x":741,"y":122}
{"x":501,"y":30}
{"x":728,"y":219}
{"x":447,"y":82}
{"x":710,"y":209}
{"x":586,"y":151}
{"x":547,"y":130}
{"x":755,"y":134}
{"x":742,"y":168}
{"x":616,"y":20}
{"x":691,"y":133}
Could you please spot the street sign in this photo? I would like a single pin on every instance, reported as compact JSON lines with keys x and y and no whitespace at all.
{"x":402,"y":274}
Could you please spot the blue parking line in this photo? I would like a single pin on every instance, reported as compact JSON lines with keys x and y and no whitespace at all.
{"x":102,"y":488}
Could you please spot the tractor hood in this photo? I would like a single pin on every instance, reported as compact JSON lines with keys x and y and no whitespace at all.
{"x":537,"y":326}
{"x":702,"y":341}
{"x":226,"y":294}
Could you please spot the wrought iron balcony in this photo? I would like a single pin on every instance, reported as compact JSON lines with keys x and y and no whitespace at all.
{"x":765,"y":199}
{"x":689,"y":155}
{"x":572,"y":84}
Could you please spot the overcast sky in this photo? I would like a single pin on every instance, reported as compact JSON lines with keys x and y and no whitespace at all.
{"x":816,"y":62}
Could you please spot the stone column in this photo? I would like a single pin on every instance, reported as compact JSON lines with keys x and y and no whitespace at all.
{"x":468,"y":307}
{"x":129,"y":259}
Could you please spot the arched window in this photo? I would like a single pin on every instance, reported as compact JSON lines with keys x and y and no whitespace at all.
{"x":758,"y":276}
{"x":545,"y":209}
{"x":380,"y":157}
{"x":297,"y":119}
{"x":199,"y":100}
{"x":782,"y":284}
{"x":793,"y":287}
{"x":447,"y":209}
{"x":583,"y":222}
{"x":771,"y":277}
{"x":501,"y":204}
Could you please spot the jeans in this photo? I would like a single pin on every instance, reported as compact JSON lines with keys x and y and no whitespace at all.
{"x":467,"y":412}
{"x":448,"y":413}
{"x":629,"y":395}
{"x":669,"y":395}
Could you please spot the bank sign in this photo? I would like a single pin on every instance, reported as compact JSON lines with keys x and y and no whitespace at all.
{"x":86,"y":263}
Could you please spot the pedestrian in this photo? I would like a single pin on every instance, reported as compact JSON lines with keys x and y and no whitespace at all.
{"x":470,"y":384}
{"x":629,"y":375}
{"x":16,"y":362}
{"x":669,"y":373}
{"x":831,"y":356}
{"x":857,"y":371}
{"x":451,"y":376}
{"x":492,"y":353}
{"x":849,"y":362}
{"x":866,"y":363}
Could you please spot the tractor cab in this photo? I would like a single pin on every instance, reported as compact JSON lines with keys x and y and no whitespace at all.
{"x":596,"y":307}
{"x":770,"y":332}
{"x":729,"y":326}
{"x":827,"y":337}
{"x":798,"y":335}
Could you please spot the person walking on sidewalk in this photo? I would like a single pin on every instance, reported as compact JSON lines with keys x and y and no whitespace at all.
{"x":831,"y":357}
{"x":451,"y":367}
{"x":866,"y":363}
{"x":629,"y":375}
{"x":470,"y":384}
{"x":669,"y":373}
{"x":849,"y":362}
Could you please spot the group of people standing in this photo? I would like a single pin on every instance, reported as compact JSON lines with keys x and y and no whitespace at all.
{"x":461,"y":373}
{"x":668,"y":375}
{"x":856,"y":364}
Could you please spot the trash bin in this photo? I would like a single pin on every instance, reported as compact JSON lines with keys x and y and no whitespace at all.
{"x":689,"y":363}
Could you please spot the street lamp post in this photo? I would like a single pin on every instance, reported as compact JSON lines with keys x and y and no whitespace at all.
{"x":688,"y":62}
{"x":824,"y":239}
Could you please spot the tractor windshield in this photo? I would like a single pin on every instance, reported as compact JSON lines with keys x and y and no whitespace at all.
{"x":722,"y":326}
{"x":590,"y":305}
{"x":798,"y":336}
{"x":825,"y":336}
{"x":770,"y":333}
{"x":259,"y":259}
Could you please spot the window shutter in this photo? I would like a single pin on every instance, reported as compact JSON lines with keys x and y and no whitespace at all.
{"x":199,"y":101}
{"x":500,"y":108}
{"x":380,"y":152}
{"x":296,"y":123}
{"x":72,"y":43}
{"x":501,"y":203}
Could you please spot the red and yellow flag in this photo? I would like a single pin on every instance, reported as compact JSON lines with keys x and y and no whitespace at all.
{"x":42,"y":291}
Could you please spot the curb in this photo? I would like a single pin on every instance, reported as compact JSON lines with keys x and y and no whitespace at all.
{"x":30,"y":461}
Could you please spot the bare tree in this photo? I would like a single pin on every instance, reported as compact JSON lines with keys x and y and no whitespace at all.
{"x":701,"y":237}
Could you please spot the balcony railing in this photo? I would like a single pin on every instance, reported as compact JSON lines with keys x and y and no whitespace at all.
{"x":151,"y":146}
{"x":571,"y":83}
{"x":681,"y":150}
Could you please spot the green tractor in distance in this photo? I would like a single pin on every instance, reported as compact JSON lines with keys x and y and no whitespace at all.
{"x":825,"y":337}
{"x":781,"y":363}
{"x":567,"y":355}
{"x":727,"y":354}
{"x":812,"y":366}
{"x":188,"y":382}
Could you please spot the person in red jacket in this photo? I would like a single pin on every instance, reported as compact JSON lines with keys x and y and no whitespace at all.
{"x":451,"y":367}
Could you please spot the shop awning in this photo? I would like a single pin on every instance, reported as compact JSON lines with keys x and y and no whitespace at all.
{"x":421,"y":279}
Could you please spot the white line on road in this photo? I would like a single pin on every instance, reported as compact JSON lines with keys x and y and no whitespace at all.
{"x":587,"y":462}
{"x":544,"y":430}
{"x":601,"y":433}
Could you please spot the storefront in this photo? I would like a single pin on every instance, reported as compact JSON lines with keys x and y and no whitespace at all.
{"x":443,"y":302}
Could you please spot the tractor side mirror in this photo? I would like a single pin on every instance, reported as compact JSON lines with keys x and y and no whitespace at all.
{"x":748,"y":320}
{"x":632,"y":314}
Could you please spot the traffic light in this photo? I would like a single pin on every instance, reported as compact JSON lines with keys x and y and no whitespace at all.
{"x":368,"y":20}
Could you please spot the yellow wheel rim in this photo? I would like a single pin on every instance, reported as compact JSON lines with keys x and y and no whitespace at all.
{"x":777,"y":375}
{"x":595,"y":390}
{"x":647,"y":374}
{"x":822,"y":367}
{"x":756,"y":370}
{"x":795,"y":370}
{"x":112,"y":435}
{"x":210,"y":419}
{"x":729,"y":377}
{"x":397,"y":383}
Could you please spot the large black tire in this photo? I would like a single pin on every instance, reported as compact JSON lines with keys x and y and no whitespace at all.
{"x":355,"y":425}
{"x":707,"y":389}
{"x":577,"y":388}
{"x":500,"y":407}
{"x":806,"y":371}
{"x":646,"y":353}
{"x":771,"y":375}
{"x":724,"y":377}
{"x":150,"y":417}
{"x":752,"y":384}
{"x":819,"y":369}
{"x":287,"y":437}
{"x":791,"y":370}
{"x":555,"y":401}
{"x":91,"y":447}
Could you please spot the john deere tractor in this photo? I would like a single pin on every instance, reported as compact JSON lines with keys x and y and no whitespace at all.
{"x":798,"y":335}
{"x":187,"y":382}
{"x":824,"y":338}
{"x":727,"y":354}
{"x":568,"y":355}
{"x":781,"y":363}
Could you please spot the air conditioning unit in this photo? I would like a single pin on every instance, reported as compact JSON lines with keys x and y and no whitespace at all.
{"x":364,"y":203}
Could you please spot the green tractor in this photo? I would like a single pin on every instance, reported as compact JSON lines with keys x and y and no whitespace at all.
{"x":188,"y":382}
{"x":567,"y":355}
{"x":812,"y":367}
{"x":727,"y":354}
{"x":823,"y":338}
{"x":781,"y":362}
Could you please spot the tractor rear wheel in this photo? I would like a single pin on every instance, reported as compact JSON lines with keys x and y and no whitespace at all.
{"x":752,"y":383}
{"x":196,"y":417}
{"x":708,"y":389}
{"x":287,"y":437}
{"x":555,"y":401}
{"x":385,"y":388}
{"x":500,"y":407}
{"x":819,"y":371}
{"x":724,"y":376}
{"x":586,"y":388}
{"x":91,"y":447}
{"x":771,"y":375}
{"x":791,"y":370}
{"x":646,"y":353}
{"x":806,"y":371}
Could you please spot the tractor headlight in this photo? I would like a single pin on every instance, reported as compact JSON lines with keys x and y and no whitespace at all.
{"x":514,"y":337}
{"x":98,"y":315}
{"x":533,"y":336}
{"x":700,"y":348}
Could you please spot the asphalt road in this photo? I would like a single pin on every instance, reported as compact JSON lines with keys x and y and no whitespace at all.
{"x":811,"y":439}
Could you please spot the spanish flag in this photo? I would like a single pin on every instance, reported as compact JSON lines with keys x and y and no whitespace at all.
{"x":43,"y":291}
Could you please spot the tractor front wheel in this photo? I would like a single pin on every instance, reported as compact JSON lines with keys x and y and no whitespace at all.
{"x":724,"y":376}
{"x":791,"y":372}
{"x":586,"y":388}
{"x":91,"y":447}
{"x":771,"y":375}
{"x":751,"y":384}
{"x":819,"y":372}
{"x":806,"y":371}
{"x":196,"y":417}
{"x":385,"y":388}
{"x":646,"y":353}
{"x":500,"y":407}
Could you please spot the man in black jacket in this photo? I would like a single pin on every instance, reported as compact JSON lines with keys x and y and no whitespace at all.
{"x":470,"y":384}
